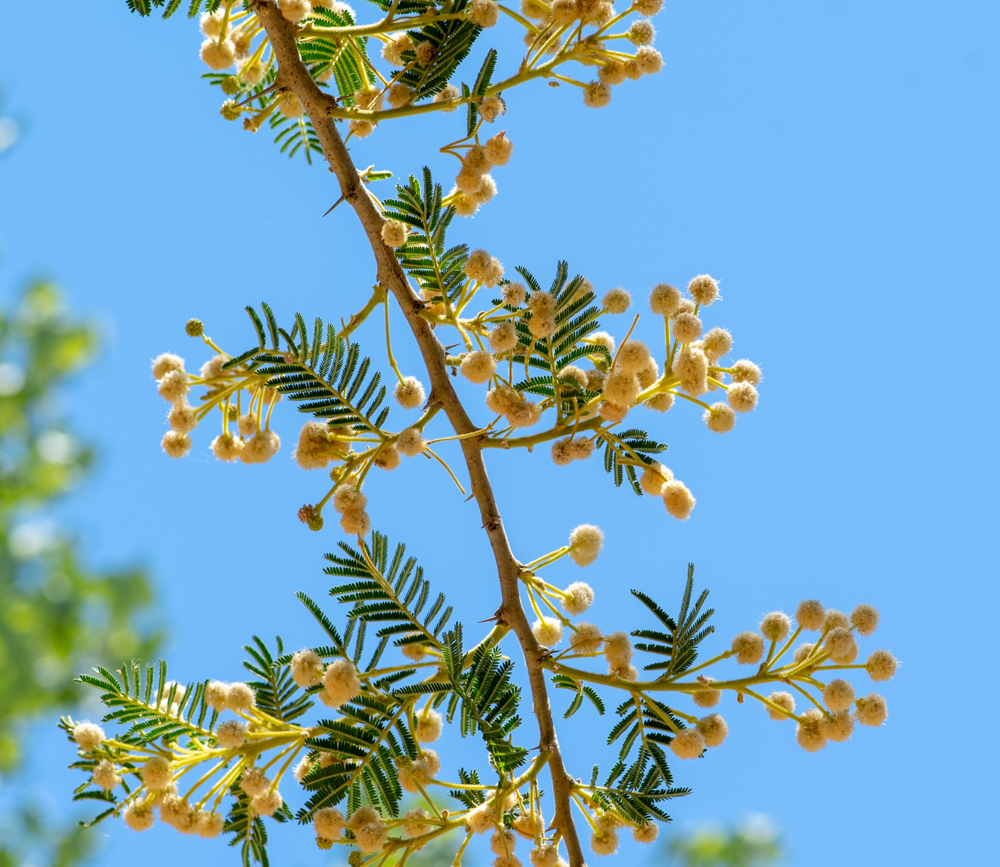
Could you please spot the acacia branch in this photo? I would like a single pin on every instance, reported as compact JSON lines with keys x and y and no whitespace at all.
{"x":296,"y":77}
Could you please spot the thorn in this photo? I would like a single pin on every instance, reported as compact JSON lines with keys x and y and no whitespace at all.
{"x":334,"y":205}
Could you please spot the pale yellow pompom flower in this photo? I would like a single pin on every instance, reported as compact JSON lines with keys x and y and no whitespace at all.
{"x":227,"y":448}
{"x":719,"y":418}
{"x":394,"y":233}
{"x":156,"y":773}
{"x":838,"y":695}
{"x":231,"y":735}
{"x":175,"y":444}
{"x":105,"y":776}
{"x":448,"y":94}
{"x":745,"y":370}
{"x":513,"y":294}
{"x":585,"y":544}
{"x":686,"y":327}
{"x":648,"y":7}
{"x":810,"y":614}
{"x":621,"y":388}
{"x":295,"y":10}
{"x":713,"y":729}
{"x":88,"y":736}
{"x":664,"y":300}
{"x":742,"y":396}
{"x":688,"y":744}
{"x":491,"y":108}
{"x":618,"y":650}
{"x":307,"y":668}
{"x":347,"y":498}
{"x":499,"y":149}
{"x":881,"y":665}
{"x":691,"y":368}
{"x":616,"y":301}
{"x":413,"y":825}
{"x":707,"y":697}
{"x":775,"y":626}
{"x":503,"y":337}
{"x":483,"y":13}
{"x":633,"y":357}
{"x":478,"y":367}
{"x":641,"y":32}
{"x":834,"y":619}
{"x":409,"y":393}
{"x":810,"y":734}
{"x":547,"y":631}
{"x":328,"y":823}
{"x":646,"y":833}
{"x":838,"y":727}
{"x":586,"y":638}
{"x":865,"y":619}
{"x":841,"y":645}
{"x":138,"y":817}
{"x":784,"y":700}
{"x":654,"y":477}
{"x":429,"y":725}
{"x":241,"y":698}
{"x":716,"y":343}
{"x":871,"y":710}
{"x":217,"y":695}
{"x":679,"y":501}
{"x":579,"y":597}
{"x":748,"y":648}
{"x":254,"y":781}
{"x":704,"y":289}
{"x":218,"y":54}
{"x":340,"y":683}
{"x":411,"y":442}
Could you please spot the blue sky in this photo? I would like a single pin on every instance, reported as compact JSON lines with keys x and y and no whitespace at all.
{"x":833,"y":165}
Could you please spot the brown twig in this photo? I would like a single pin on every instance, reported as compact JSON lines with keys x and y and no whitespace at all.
{"x":390,"y":274}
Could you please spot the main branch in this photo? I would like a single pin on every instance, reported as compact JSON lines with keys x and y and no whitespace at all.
{"x":294,"y":75}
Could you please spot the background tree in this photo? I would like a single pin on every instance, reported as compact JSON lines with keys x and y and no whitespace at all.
{"x":57,"y":614}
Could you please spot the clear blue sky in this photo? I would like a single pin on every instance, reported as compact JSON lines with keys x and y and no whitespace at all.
{"x":834,"y":165}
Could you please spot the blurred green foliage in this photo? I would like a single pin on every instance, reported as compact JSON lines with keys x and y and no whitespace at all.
{"x":754,"y":844}
{"x":57,"y":616}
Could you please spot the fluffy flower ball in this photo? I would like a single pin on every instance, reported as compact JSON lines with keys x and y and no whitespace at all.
{"x":306,"y":665}
{"x":784,"y":700}
{"x":328,"y":823}
{"x":719,"y":418}
{"x":707,"y":697}
{"x":810,"y":614}
{"x":872,"y":710}
{"x":156,"y":773}
{"x":579,"y":597}
{"x":88,"y":736}
{"x":704,"y":289}
{"x":175,"y":444}
{"x":865,"y":619}
{"x":748,"y":648}
{"x":679,"y":501}
{"x":478,"y":367}
{"x":838,"y":695}
{"x":616,"y":301}
{"x":585,"y":544}
{"x":409,"y":393}
{"x":688,"y":744}
{"x":775,"y":626}
{"x":809,"y":733}
{"x":231,"y":735}
{"x":394,"y":233}
{"x":841,"y":645}
{"x":714,"y":729}
{"x":218,"y":55}
{"x":881,"y":665}
{"x":547,"y":631}
{"x":586,"y":638}
{"x":429,"y":726}
{"x":340,"y":683}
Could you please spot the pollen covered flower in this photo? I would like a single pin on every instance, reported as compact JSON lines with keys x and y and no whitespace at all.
{"x":176,"y":445}
{"x":719,"y":418}
{"x":429,"y":725}
{"x":579,"y":597}
{"x":241,"y":698}
{"x":686,"y":327}
{"x":585,"y":544}
{"x":641,"y":32}
{"x":88,"y":736}
{"x":478,"y":367}
{"x":881,"y":665}
{"x":865,"y":619}
{"x":688,"y":744}
{"x":254,"y":782}
{"x":295,"y":11}
{"x":714,"y":729}
{"x":691,"y":368}
{"x":547,"y":631}
{"x":838,"y":726}
{"x":218,"y":54}
{"x":784,"y":700}
{"x":105,"y":775}
{"x":742,"y":396}
{"x":261,"y":447}
{"x":810,"y":614}
{"x":841,"y":645}
{"x":513,"y":294}
{"x":503,"y":337}
{"x":306,"y":666}
{"x":621,"y":388}
{"x":704,"y":289}
{"x":654,"y":477}
{"x":618,"y":650}
{"x":633,"y":357}
{"x":227,"y":448}
{"x":394,"y":233}
{"x":871,"y":710}
{"x":409,"y":393}
{"x":748,"y":648}
{"x":716,"y":343}
{"x":745,"y":371}
{"x":413,"y":825}
{"x":775,"y":626}
{"x":483,"y":13}
{"x":411,"y":442}
{"x":810,"y":731}
{"x":156,"y":773}
{"x":138,"y":817}
{"x":340,"y":683}
{"x":586,"y":638}
{"x":707,"y":697}
{"x":838,"y":695}
{"x":291,"y":106}
{"x":678,"y":500}
{"x":173,"y":386}
{"x":231,"y":735}
{"x":616,"y":301}
{"x":328,"y":823}
{"x":268,"y":803}
{"x":499,"y":149}
{"x":491,"y":108}
{"x":664,"y":300}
